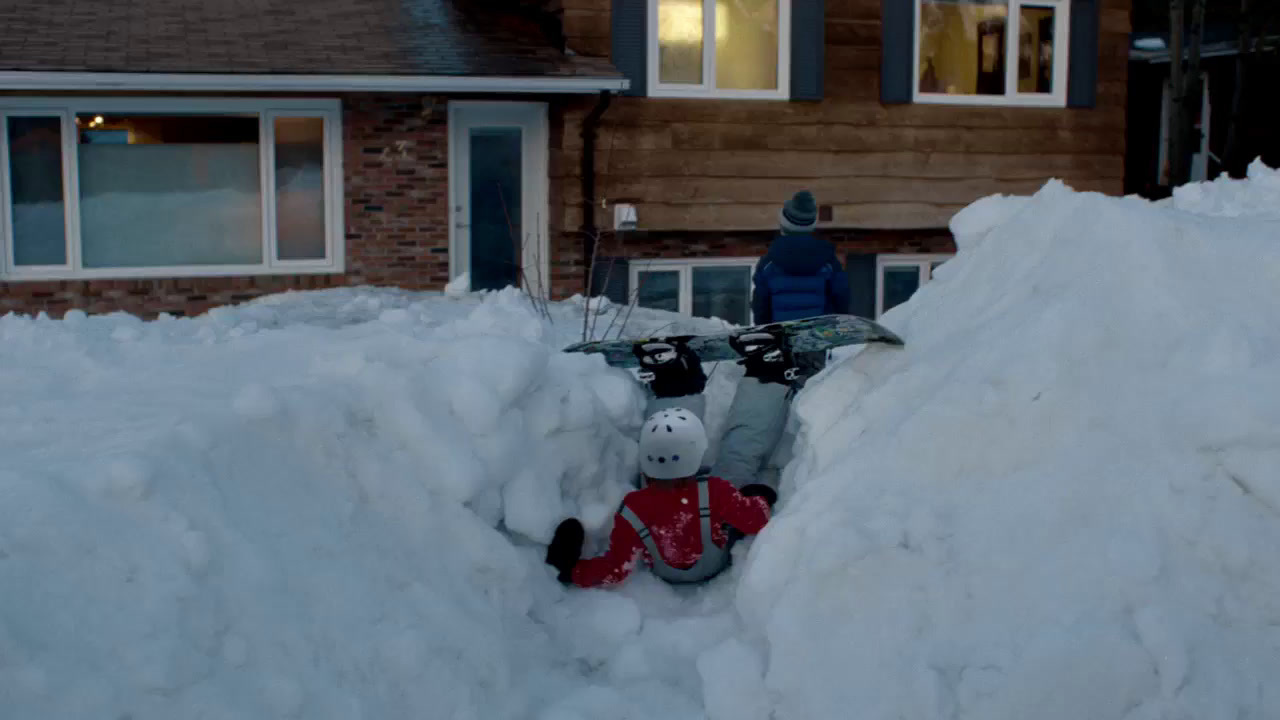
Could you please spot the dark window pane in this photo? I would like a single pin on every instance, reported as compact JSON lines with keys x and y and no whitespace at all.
{"x":495,"y":208}
{"x":299,"y":188}
{"x":179,"y":190}
{"x":723,"y":292}
{"x":659,"y":290}
{"x":35,"y":178}
{"x":900,"y":283}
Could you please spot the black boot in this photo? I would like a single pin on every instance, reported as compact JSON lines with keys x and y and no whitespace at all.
{"x":766,"y":357}
{"x":671,"y":369}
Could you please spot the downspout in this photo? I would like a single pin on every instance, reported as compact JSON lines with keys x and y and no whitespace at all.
{"x":590,"y":124}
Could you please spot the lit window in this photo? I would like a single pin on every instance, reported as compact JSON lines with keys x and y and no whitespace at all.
{"x":720,"y":48}
{"x":114,"y":187}
{"x":702,"y":287}
{"x":899,"y":276}
{"x":998,"y":52}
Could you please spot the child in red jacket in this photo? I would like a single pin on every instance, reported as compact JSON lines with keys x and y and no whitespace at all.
{"x":676,"y":523}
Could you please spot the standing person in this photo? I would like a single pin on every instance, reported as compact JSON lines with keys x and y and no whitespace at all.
{"x":799,"y":277}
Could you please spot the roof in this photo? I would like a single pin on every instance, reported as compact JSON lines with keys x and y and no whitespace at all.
{"x":361,"y":40}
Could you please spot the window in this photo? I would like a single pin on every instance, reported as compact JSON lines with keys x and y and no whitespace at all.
{"x":995,"y":52}
{"x":121,"y":187}
{"x":719,"y":48}
{"x":899,"y":276}
{"x":703,"y":287}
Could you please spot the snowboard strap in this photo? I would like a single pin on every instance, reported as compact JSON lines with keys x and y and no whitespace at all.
{"x":713,"y":559}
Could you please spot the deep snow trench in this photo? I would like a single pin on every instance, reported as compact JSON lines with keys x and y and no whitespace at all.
{"x":1058,"y":501}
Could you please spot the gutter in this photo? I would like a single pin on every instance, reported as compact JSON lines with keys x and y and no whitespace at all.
{"x":235,"y":82}
{"x":1209,"y":50}
{"x":590,"y":124}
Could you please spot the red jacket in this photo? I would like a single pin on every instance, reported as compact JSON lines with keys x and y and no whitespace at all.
{"x":670,"y":511}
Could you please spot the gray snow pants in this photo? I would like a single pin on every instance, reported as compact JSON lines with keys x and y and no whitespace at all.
{"x":756,"y":421}
{"x":756,"y":424}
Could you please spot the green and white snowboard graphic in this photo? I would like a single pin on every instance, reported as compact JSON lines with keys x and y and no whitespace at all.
{"x":810,"y":334}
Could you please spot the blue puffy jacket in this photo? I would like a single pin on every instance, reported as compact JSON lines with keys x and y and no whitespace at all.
{"x":799,"y":277}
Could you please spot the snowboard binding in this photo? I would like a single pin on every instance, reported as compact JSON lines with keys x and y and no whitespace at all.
{"x":766,"y":356}
{"x":670,"y":368}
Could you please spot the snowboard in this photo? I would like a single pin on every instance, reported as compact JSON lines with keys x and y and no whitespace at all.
{"x":810,"y":334}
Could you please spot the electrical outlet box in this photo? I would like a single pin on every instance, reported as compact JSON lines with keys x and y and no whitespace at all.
{"x":624,"y":217}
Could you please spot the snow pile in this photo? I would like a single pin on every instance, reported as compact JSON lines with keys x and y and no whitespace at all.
{"x":1224,"y":196}
{"x":319,"y":505}
{"x":1061,"y":498}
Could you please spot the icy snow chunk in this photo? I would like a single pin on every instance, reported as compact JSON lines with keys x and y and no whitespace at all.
{"x":126,"y":334}
{"x":732,"y":682}
{"x":533,"y":506}
{"x":235,"y":650}
{"x":125,"y":478}
{"x":620,"y":396}
{"x":394,"y":316}
{"x":972,"y":223}
{"x":459,"y":286}
{"x":256,"y":401}
{"x":284,"y":694}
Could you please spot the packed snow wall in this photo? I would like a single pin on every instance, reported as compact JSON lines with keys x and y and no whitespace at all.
{"x":319,"y":505}
{"x":1061,"y":498}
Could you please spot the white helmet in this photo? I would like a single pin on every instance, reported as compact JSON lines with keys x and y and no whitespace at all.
{"x":672,"y":444}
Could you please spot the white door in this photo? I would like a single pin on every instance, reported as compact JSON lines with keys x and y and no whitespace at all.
{"x":498,"y":192}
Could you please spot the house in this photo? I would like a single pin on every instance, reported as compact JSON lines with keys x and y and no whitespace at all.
{"x":895,"y":113}
{"x":169,"y":156}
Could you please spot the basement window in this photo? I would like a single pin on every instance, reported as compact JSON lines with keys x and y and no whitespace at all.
{"x":698,"y":287}
{"x":898,"y":277}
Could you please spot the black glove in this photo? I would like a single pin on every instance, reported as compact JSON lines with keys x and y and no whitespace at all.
{"x":758,"y":490}
{"x":566,"y":548}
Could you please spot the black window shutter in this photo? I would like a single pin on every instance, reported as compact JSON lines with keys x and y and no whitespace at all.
{"x":861,"y":268}
{"x":1082,"y":56}
{"x":897,"y":41}
{"x":808,"y":42}
{"x":610,"y":277}
{"x":630,"y":43}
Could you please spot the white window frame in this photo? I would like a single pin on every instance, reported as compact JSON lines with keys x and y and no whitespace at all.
{"x":267,"y":109}
{"x":1061,"y":61}
{"x":685,"y":267}
{"x":707,"y":88}
{"x":921,"y":261}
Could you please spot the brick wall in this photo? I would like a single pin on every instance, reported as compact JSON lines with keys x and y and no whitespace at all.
{"x":396,"y":158}
{"x":395,"y":155}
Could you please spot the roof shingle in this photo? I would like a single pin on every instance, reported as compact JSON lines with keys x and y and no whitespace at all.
{"x":323,"y":37}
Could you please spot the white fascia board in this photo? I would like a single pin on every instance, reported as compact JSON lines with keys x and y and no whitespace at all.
{"x":23,"y":80}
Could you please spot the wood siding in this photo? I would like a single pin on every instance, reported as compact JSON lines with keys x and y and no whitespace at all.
{"x":727,"y":165}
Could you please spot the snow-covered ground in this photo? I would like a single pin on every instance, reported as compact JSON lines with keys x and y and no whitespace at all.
{"x":1058,"y":501}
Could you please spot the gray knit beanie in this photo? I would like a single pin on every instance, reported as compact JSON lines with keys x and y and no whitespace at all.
{"x":799,"y":214}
